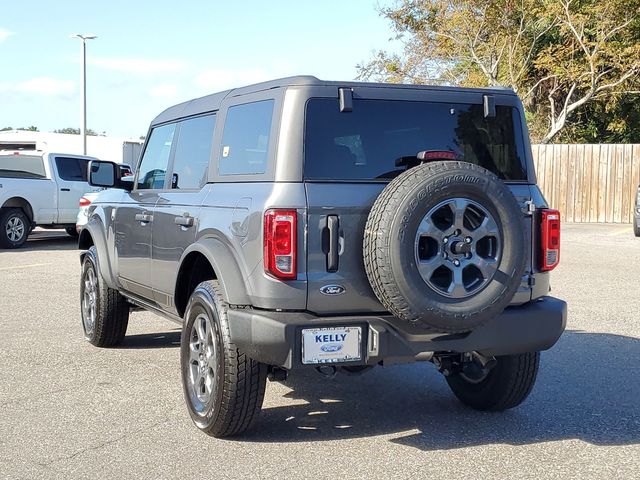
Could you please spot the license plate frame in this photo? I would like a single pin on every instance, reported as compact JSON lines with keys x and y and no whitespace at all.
{"x":336,"y":350}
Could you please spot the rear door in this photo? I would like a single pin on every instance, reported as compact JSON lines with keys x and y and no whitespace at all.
{"x":351,"y":156}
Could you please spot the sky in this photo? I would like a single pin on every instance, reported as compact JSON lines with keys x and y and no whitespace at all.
{"x":150,"y":55}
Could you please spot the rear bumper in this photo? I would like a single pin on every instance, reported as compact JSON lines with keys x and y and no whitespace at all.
{"x":275,"y":337}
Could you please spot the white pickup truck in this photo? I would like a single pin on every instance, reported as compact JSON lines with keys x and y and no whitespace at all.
{"x":39,"y":189}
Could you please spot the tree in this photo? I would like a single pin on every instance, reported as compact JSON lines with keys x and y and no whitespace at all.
{"x":76,"y":131}
{"x":559,"y":56}
{"x":28,"y":129}
{"x":598,"y":56}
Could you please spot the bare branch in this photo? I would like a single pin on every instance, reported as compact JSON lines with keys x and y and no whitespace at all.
{"x":537,"y":84}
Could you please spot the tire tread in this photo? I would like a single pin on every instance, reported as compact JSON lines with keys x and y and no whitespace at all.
{"x":113,"y":310}
{"x":244,"y":379}
{"x":507,"y":385}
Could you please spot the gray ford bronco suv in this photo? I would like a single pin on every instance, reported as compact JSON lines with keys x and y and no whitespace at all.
{"x":301,"y":223}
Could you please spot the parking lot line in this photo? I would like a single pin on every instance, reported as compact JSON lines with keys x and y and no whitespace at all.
{"x":17,"y":267}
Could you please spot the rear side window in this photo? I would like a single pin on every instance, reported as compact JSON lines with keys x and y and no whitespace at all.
{"x":370,"y":142}
{"x":21,"y":166}
{"x":153,"y":166}
{"x":72,"y":169}
{"x":193,"y":151}
{"x":245,"y":141}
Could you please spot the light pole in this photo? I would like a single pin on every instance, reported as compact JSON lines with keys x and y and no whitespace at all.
{"x":83,"y":111}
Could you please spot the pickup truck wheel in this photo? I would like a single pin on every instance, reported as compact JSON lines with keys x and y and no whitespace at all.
{"x":105,"y":313}
{"x":636,"y":227}
{"x":14,"y":227}
{"x":505,"y":386}
{"x":444,"y":246}
{"x":72,"y":232}
{"x":223,"y":387}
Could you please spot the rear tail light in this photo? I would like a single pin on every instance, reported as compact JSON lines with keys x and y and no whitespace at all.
{"x":550,"y":239}
{"x":280,"y":243}
{"x":84,"y":202}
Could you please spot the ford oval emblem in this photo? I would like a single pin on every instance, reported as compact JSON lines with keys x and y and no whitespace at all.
{"x":332,"y":290}
{"x":331,"y":347}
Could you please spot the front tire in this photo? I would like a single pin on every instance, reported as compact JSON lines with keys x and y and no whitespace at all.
{"x":505,"y":386}
{"x":636,"y":227}
{"x":105,"y":313}
{"x":223,"y":387}
{"x":14,"y":227}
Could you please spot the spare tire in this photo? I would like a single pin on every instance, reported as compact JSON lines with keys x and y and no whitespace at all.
{"x":444,"y":246}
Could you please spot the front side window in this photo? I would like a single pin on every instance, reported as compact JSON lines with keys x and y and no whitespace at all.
{"x":153,"y":167}
{"x":193,"y":151}
{"x":72,"y":169}
{"x":374,"y":140}
{"x":245,"y":141}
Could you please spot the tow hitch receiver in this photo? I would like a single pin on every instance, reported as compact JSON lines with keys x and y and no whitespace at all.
{"x":472,"y":364}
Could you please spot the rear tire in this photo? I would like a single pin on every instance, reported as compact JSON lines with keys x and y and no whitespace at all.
{"x":505,"y":386}
{"x":104,"y":312}
{"x":15,"y":227}
{"x":72,"y":232}
{"x":223,"y":386}
{"x":636,"y":227}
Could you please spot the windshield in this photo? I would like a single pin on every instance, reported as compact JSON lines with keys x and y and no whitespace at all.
{"x":21,"y":166}
{"x":379,"y":139}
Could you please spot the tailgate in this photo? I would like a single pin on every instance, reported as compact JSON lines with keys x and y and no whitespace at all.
{"x":337,"y":214}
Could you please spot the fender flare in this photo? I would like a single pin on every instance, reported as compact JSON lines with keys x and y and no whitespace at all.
{"x":229,"y":275}
{"x":11,"y":195}
{"x":95,"y":229}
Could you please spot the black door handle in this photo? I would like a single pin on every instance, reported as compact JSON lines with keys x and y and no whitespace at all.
{"x":184,"y":220}
{"x":65,"y":189}
{"x":333,"y":224}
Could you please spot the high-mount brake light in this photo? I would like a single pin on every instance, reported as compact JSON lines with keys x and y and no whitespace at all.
{"x":549,"y":239}
{"x":280,"y":243}
{"x":437,"y":155}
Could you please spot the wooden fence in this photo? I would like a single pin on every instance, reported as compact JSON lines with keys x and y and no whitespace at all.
{"x":589,"y":183}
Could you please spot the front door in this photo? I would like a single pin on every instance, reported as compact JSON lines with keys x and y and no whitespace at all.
{"x":134,"y":219}
{"x":177,"y":209}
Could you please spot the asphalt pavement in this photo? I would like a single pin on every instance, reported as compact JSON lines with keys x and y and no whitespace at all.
{"x":70,"y":410}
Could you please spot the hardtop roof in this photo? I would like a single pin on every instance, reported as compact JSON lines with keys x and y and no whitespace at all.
{"x":212,"y":102}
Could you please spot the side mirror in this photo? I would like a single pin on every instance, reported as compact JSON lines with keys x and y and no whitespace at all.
{"x":107,"y":175}
{"x":102,"y":174}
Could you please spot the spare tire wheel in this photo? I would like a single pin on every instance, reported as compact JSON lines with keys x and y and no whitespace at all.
{"x":444,"y":246}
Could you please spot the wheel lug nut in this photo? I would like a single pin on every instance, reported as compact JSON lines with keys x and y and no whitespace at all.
{"x":445,"y":240}
{"x":467,"y":240}
{"x":456,"y":262}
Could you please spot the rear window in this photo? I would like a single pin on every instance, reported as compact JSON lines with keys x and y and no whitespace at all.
{"x":21,"y":166}
{"x":370,"y":142}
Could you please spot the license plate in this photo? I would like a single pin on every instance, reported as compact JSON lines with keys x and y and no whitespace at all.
{"x":330,"y":345}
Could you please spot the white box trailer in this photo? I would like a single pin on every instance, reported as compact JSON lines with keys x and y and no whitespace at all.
{"x":119,"y":150}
